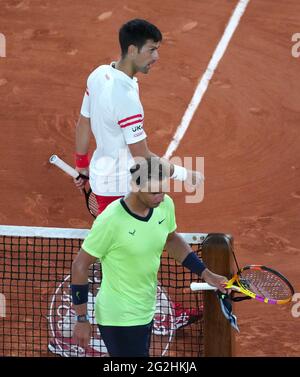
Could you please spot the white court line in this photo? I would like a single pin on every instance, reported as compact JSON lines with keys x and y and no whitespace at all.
{"x":203,"y":84}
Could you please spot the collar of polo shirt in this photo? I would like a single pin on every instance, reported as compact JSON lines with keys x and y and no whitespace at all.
{"x":123,"y":75}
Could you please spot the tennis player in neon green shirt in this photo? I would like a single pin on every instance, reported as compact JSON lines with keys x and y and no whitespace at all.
{"x":128,"y":239}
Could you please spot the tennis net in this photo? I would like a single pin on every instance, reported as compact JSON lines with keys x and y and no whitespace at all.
{"x":35,"y":267}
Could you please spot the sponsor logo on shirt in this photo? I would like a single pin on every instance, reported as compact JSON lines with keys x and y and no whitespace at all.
{"x":137,"y":128}
{"x":138,"y":134}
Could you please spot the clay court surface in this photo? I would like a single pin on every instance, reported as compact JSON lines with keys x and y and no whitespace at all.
{"x":246,"y":127}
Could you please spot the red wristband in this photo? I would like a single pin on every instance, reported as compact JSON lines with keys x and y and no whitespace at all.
{"x":82,"y":160}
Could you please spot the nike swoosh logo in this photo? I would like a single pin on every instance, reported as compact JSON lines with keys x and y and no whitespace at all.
{"x":161,"y":221}
{"x":132,"y":233}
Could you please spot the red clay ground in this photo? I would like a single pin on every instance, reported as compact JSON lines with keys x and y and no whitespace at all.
{"x":246,"y":126}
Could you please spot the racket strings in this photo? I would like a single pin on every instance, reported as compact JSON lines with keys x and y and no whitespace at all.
{"x":265,"y":284}
{"x":92,"y":203}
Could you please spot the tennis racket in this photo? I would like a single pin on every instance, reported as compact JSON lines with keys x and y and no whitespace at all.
{"x":259,"y":282}
{"x":90,"y":198}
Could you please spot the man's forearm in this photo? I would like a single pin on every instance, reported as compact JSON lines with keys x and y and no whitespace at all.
{"x":177,"y":248}
{"x":141,"y":150}
{"x":79,"y":279}
{"x":180,"y":250}
{"x":83,"y":135}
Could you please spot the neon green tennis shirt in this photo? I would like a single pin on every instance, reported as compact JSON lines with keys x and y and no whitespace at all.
{"x":129,"y":248}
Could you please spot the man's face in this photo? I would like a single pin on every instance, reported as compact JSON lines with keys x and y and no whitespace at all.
{"x":152,"y":195}
{"x":151,"y":199}
{"x":146,"y":57}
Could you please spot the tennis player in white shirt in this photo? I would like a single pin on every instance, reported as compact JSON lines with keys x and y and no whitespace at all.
{"x":113,"y":113}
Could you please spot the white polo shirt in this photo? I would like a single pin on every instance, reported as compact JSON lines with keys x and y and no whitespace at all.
{"x":112,"y":103}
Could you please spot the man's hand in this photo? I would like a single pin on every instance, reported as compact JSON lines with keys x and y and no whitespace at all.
{"x":80,"y":182}
{"x":215,"y":280}
{"x":82,"y":333}
{"x":194,"y":178}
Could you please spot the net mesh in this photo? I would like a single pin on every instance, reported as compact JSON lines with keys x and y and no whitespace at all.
{"x":35,"y":289}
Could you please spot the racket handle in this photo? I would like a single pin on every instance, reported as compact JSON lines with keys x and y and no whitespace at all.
{"x":63,"y":166}
{"x":202,"y":287}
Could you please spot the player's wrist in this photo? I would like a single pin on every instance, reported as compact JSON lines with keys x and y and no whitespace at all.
{"x":194,"y":264}
{"x":82,"y":160}
{"x":82,"y":318}
{"x":204,"y":274}
{"x":179,"y":173}
{"x":79,"y":293}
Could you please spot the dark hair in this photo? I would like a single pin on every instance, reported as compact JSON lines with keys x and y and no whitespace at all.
{"x":136,"y":32}
{"x":147,"y":169}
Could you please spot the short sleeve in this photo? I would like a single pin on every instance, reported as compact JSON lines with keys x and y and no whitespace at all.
{"x":130,"y":118}
{"x":170,"y":207}
{"x":85,"y":107}
{"x":99,"y":241}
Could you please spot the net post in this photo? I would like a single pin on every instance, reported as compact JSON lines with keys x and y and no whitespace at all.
{"x":219,"y":338}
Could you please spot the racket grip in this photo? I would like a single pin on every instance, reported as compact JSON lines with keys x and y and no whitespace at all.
{"x":55,"y":160}
{"x":82,"y":176}
{"x":202,"y":287}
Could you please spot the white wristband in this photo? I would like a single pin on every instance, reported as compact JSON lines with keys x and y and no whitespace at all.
{"x":180,"y":173}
